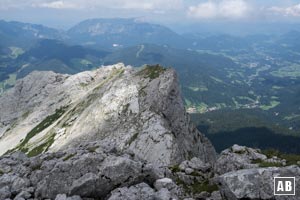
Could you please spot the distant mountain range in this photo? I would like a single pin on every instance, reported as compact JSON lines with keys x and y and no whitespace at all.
{"x":116,"y":33}
{"x":95,"y":33}
{"x":24,"y":34}
{"x":54,"y":55}
{"x":253,"y":77}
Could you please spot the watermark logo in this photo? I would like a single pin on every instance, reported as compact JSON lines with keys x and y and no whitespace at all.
{"x":284,"y":185}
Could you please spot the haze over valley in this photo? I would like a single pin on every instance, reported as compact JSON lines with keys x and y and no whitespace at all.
{"x":149,"y":100}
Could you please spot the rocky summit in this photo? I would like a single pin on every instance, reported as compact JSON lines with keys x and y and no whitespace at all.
{"x":138,"y":111}
{"x":120,"y":133}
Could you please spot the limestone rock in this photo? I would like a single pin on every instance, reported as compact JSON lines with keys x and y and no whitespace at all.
{"x":164,"y":183}
{"x":5,"y":192}
{"x":64,"y":197}
{"x":216,"y":195}
{"x":257,"y":183}
{"x":192,"y":171}
{"x":163,"y":194}
{"x":238,"y":157}
{"x":77,"y":172}
{"x":136,"y":192}
{"x":121,"y":108}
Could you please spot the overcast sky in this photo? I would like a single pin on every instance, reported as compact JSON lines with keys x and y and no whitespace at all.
{"x":65,"y":13}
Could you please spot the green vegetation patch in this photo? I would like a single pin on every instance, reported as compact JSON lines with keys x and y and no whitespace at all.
{"x":198,"y":89}
{"x":133,"y":138}
{"x":43,"y":147}
{"x":81,"y":64}
{"x":291,"y":159}
{"x":115,"y":73}
{"x":292,"y":71}
{"x":68,"y":157}
{"x":125,"y":108}
{"x":245,"y":98}
{"x":202,"y":107}
{"x":39,"y":128}
{"x":175,"y":168}
{"x":142,"y":92}
{"x":275,"y":87}
{"x":92,"y":149}
{"x":85,"y":62}
{"x":216,"y":79}
{"x":8,"y":83}
{"x":188,"y":103}
{"x":198,"y":187}
{"x":291,"y":117}
{"x":16,"y":52}
{"x":152,"y":71}
{"x":273,"y":104}
{"x":26,"y":114}
{"x":262,"y":163}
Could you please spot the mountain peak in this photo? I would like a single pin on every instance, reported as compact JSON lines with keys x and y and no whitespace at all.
{"x":138,"y":111}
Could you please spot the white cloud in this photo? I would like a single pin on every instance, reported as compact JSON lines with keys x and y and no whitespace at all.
{"x":10,"y":4}
{"x":57,"y":5}
{"x":203,"y":10}
{"x":232,"y":9}
{"x":95,"y":4}
{"x":293,"y":11}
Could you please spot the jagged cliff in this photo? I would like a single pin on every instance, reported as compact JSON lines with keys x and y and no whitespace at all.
{"x":119,"y":133}
{"x":138,"y":111}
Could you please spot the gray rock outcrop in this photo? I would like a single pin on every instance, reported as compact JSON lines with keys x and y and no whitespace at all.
{"x":140,"y":111}
{"x":80,"y":172}
{"x":241,"y":157}
{"x":257,"y":183}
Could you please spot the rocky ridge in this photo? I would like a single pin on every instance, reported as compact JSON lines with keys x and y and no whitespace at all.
{"x":139,"y":111}
{"x":93,"y":172}
{"x":119,"y":133}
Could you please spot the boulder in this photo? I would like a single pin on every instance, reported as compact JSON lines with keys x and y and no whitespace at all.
{"x":164,"y":183}
{"x":135,"y":192}
{"x":5,"y":192}
{"x":257,"y":183}
{"x":163,"y":194}
{"x":238,"y":157}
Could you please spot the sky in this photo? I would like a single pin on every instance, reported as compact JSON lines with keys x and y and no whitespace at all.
{"x":65,"y":13}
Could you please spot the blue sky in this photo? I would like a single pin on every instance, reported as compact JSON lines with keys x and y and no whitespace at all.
{"x":64,"y":13}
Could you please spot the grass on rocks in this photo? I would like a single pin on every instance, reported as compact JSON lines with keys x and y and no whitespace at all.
{"x":152,"y":71}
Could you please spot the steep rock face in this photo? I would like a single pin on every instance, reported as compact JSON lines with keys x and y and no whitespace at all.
{"x":137,"y":111}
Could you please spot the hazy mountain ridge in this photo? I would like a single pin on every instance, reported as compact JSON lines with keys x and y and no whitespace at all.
{"x":119,"y":33}
{"x":24,"y":34}
{"x":54,"y":55}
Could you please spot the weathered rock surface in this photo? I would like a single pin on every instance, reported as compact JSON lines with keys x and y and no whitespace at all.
{"x":80,"y":172}
{"x":257,"y":183}
{"x":136,"y":192}
{"x":120,"y":107}
{"x":85,"y":173}
{"x":241,"y":157}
